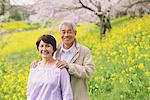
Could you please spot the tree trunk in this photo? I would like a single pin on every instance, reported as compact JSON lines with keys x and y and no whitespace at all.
{"x":102,"y":26}
{"x":2,"y":9}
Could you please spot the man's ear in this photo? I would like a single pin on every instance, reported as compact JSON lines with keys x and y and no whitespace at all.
{"x":75,"y":32}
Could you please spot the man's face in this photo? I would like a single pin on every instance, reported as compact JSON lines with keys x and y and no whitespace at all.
{"x":67,"y":35}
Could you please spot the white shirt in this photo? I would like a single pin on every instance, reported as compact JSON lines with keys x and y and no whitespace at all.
{"x":50,"y":83}
{"x":67,"y":54}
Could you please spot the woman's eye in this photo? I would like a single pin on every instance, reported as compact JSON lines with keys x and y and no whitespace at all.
{"x":48,"y":46}
{"x":41,"y":45}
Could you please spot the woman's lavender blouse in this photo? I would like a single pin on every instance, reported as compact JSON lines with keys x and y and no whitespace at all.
{"x":49,"y":84}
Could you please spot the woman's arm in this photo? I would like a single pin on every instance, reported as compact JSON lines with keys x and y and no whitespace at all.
{"x":65,"y":85}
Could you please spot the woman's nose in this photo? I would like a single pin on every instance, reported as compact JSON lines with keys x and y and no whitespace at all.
{"x":44,"y":48}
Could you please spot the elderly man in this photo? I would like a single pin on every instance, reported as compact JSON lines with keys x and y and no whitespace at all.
{"x":76,"y":58}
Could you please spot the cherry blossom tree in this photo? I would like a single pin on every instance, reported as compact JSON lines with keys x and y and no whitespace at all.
{"x":100,"y":10}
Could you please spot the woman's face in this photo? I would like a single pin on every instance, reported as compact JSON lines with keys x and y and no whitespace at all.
{"x":45,"y":50}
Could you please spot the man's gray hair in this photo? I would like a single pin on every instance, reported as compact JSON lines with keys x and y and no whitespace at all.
{"x":68,"y":22}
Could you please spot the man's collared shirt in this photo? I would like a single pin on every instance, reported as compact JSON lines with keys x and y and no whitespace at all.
{"x":67,"y":54}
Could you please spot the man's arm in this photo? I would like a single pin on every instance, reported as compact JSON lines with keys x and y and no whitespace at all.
{"x":34,"y":64}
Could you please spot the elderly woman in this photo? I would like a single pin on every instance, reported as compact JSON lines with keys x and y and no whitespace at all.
{"x":46,"y":81}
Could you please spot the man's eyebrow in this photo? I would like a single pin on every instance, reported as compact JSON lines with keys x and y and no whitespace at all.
{"x":67,"y":30}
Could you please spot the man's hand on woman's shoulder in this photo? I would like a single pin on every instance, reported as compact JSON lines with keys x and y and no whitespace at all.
{"x":62,"y":64}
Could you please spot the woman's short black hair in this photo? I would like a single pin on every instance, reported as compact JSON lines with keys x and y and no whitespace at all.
{"x":47,"y":39}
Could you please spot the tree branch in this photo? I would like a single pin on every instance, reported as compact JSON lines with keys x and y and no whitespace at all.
{"x":67,"y":9}
{"x":91,"y":1}
{"x":135,"y":3}
{"x":86,"y":7}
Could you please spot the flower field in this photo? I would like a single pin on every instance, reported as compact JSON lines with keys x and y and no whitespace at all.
{"x":11,"y":26}
{"x":122,"y":59}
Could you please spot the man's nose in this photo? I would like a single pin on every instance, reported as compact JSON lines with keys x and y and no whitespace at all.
{"x":66,"y":33}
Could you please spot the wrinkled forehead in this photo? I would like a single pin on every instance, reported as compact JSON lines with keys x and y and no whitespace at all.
{"x":66,"y":25}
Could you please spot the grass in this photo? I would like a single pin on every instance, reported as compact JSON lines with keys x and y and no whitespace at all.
{"x":121,"y":58}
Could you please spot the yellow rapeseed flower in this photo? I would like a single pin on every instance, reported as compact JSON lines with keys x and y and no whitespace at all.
{"x":147,"y":73}
{"x":131,"y":69}
{"x":123,"y":72}
{"x":141,"y":66}
{"x":98,"y":78}
{"x":134,"y":75}
{"x":129,"y":59}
